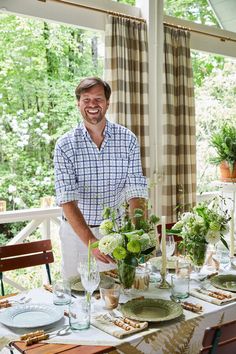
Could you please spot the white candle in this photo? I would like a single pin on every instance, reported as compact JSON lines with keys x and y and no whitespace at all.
{"x":163,"y":244}
{"x":232,"y":235}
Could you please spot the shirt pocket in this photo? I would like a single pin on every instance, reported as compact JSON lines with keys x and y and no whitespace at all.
{"x":119,"y":170}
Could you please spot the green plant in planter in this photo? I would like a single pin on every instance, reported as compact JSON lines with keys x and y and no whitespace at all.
{"x":224,"y":142}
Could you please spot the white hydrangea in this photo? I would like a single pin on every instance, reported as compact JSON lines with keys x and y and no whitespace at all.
{"x":152,"y":238}
{"x":109,"y":242}
{"x":145,"y":241}
{"x":212,"y":237}
{"x":106,"y":227}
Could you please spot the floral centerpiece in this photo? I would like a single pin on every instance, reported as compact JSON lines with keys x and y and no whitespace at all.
{"x":205,"y":224}
{"x":129,"y":242}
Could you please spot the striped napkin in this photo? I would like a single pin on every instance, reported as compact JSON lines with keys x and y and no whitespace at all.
{"x":119,"y":330}
{"x":213,"y":295}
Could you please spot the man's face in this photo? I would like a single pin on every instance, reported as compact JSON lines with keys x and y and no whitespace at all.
{"x":93,"y":104}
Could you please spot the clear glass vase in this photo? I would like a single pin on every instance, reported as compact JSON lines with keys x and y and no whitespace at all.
{"x":126,"y":273}
{"x":198,"y":256}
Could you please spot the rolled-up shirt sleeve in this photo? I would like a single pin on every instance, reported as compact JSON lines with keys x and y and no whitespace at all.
{"x":65,"y":179}
{"x":136,"y":185}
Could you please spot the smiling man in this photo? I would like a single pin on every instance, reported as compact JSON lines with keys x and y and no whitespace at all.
{"x":97,"y":165}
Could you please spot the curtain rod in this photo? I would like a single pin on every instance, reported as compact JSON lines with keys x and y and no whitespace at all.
{"x":117,"y":14}
{"x":222,"y":38}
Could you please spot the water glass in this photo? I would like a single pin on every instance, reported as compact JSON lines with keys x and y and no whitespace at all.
{"x":61,"y":293}
{"x":110,"y":296}
{"x":179,"y":286}
{"x":79,"y":314}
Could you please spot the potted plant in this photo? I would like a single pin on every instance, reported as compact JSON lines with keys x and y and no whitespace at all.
{"x":224,"y":143}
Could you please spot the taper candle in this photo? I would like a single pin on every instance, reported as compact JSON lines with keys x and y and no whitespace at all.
{"x":163,"y":244}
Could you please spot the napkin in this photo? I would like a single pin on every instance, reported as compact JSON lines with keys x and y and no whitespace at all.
{"x":205,"y":295}
{"x":105,"y":324}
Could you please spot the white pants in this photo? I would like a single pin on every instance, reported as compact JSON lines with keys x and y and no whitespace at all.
{"x":72,"y":248}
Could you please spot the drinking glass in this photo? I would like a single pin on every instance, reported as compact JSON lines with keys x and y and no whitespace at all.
{"x":170,"y":245}
{"x":90,"y":277}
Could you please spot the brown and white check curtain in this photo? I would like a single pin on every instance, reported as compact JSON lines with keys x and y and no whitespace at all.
{"x":126,"y":70}
{"x":179,"y":163}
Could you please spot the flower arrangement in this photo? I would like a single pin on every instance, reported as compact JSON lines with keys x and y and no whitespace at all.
{"x":132,"y":240}
{"x":128,"y":243}
{"x":205,"y":224}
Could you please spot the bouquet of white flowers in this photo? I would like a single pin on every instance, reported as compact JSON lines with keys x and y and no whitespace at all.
{"x":206,"y":223}
{"x":128,"y":243}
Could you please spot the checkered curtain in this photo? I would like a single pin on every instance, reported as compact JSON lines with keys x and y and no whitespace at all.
{"x":126,"y":70}
{"x":179,"y":136}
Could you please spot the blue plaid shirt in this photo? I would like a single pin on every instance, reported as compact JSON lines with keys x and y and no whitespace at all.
{"x":98,"y":178}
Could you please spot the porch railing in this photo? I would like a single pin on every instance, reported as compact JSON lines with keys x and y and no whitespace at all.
{"x":37,"y":217}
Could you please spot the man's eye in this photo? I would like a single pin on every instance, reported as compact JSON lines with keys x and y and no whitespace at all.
{"x":86,"y":100}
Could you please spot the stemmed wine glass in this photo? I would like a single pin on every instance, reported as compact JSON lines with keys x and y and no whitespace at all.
{"x":90,"y":277}
{"x":170,"y":245}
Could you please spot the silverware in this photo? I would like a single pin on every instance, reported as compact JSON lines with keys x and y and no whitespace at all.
{"x":61,"y":332}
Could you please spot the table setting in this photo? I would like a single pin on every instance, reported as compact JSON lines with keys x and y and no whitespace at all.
{"x":156,"y":302}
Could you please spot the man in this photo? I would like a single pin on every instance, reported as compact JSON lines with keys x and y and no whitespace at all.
{"x":96,"y":165}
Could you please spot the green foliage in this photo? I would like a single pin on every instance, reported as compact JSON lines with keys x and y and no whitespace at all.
{"x":224,"y":143}
{"x":196,"y":11}
{"x":40,"y":66}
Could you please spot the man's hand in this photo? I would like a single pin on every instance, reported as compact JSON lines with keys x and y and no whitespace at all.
{"x":102,"y":257}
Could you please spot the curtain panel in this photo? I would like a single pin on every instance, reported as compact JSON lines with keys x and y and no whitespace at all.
{"x":179,"y":131}
{"x":126,"y":70}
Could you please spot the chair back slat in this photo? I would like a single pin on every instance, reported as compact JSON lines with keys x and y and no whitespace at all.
{"x":25,"y":248}
{"x":220,"y":339}
{"x":26,"y":261}
{"x":23,"y":255}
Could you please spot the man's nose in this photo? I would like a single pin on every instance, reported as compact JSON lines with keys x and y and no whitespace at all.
{"x":93,"y":102}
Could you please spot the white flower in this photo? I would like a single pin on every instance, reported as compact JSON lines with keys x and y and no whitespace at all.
{"x":145,"y":241}
{"x":212,"y":237}
{"x":106,"y":227}
{"x":153,"y":239}
{"x":11,"y":189}
{"x":109,"y":242}
{"x":40,"y":114}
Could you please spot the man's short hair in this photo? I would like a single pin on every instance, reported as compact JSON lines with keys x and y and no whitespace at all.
{"x":89,"y":82}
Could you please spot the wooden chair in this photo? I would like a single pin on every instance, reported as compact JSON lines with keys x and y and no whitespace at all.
{"x":220,"y":339}
{"x":24,"y":255}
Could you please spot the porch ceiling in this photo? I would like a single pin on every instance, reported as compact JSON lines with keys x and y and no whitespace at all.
{"x":225,"y":11}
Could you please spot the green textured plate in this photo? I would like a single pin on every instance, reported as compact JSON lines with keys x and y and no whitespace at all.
{"x":225,"y":282}
{"x":151,"y":310}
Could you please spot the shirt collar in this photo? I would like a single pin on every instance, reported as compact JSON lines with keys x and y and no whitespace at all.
{"x":107,"y":130}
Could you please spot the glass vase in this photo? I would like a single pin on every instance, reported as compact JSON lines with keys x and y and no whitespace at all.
{"x":198,"y":256}
{"x":126,"y":274}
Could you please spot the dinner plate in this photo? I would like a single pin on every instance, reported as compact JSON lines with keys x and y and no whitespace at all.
{"x":151,"y":310}
{"x":224,"y":282}
{"x":31,"y":315}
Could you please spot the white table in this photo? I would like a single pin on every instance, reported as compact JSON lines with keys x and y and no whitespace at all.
{"x":172,"y":337}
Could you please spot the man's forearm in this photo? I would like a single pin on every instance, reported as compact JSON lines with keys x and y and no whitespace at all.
{"x":138,"y":203}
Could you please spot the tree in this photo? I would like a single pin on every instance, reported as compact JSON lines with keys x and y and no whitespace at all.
{"x":40,"y":66}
